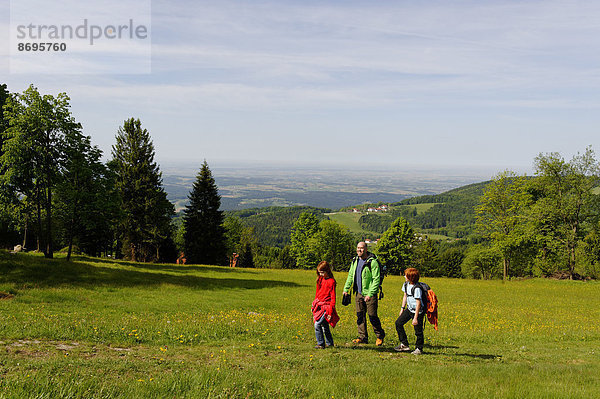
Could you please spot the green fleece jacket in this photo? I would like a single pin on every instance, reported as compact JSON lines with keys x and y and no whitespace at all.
{"x":370,"y":277}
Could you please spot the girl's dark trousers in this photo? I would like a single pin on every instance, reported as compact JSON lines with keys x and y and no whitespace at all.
{"x":404,"y":317}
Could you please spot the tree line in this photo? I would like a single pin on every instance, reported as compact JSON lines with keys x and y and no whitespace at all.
{"x":55,"y":191}
{"x":542,"y":225}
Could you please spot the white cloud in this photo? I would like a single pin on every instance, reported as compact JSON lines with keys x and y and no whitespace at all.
{"x":363,"y":59}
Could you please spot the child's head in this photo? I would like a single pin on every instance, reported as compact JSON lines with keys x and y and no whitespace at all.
{"x":412,"y":275}
{"x":324,"y":269}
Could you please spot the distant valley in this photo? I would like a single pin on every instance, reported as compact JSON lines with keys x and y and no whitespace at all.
{"x":252,"y":186}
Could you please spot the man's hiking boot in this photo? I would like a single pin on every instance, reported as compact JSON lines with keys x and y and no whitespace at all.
{"x":379,"y":342}
{"x":417,"y":352}
{"x":402,"y":348}
{"x":360,"y":341}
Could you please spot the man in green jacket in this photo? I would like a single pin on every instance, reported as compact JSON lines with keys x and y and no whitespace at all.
{"x":364,"y":277}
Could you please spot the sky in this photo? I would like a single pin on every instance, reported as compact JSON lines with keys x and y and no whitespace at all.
{"x":423,"y":83}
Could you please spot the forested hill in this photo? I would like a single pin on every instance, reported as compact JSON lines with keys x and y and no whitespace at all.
{"x":272,"y":225}
{"x":464,"y":194}
{"x":450,"y":214}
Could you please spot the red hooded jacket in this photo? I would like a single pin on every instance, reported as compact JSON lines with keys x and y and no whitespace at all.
{"x":325,"y":301}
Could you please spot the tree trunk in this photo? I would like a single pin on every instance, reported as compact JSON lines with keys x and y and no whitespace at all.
{"x":25,"y":234}
{"x":49,"y":250}
{"x":72,"y":228}
{"x":39,"y":217}
{"x":572,"y":263}
{"x":505,"y":262}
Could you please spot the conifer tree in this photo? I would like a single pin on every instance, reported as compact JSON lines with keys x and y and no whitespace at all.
{"x":203,"y":222}
{"x":146,"y":220}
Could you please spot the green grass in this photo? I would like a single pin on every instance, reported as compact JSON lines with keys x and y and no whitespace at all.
{"x":421,"y":208}
{"x":104,"y":329}
{"x":439,"y":237}
{"x":350,"y":220}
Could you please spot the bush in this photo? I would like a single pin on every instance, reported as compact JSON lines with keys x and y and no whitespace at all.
{"x":482,"y":262}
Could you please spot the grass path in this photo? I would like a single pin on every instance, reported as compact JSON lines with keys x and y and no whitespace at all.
{"x":105,"y":329}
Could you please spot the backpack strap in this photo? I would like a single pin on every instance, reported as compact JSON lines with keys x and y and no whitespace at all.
{"x":414,"y":287}
{"x":368,"y":264}
{"x":368,"y":260}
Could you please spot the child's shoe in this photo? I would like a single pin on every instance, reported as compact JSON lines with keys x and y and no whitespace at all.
{"x":402,"y":348}
{"x":417,"y":352}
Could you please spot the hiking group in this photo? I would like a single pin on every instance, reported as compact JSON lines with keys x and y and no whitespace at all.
{"x":364,"y":280}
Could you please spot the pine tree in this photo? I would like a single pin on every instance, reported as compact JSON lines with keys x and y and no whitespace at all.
{"x":203,"y":222}
{"x":146,"y":220}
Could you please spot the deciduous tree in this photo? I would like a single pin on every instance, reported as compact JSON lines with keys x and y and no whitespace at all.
{"x":34,"y":152}
{"x":306,"y":226}
{"x":333,"y":243}
{"x":502,"y":215}
{"x":395,"y":246}
{"x":566,"y":199}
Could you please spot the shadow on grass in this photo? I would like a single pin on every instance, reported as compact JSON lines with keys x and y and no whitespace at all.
{"x":481,"y":356}
{"x":428,"y":350}
{"x":167,"y":267}
{"x":28,"y":271}
{"x":442,"y":347}
{"x":369,"y":347}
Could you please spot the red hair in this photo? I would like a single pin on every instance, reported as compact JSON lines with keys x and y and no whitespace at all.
{"x":412,"y":275}
{"x":324,"y":267}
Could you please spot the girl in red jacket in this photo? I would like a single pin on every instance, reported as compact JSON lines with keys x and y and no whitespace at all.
{"x":323,"y":307}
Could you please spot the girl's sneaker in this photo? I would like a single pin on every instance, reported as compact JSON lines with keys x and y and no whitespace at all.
{"x":417,"y":352}
{"x":402,"y":348}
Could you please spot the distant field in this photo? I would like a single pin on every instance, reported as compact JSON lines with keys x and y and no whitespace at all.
{"x":438,"y":236}
{"x":350,"y":220}
{"x":421,"y":208}
{"x":103,"y":329}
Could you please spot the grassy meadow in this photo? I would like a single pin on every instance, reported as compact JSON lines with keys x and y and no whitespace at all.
{"x":104,"y":329}
{"x":350,"y":220}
